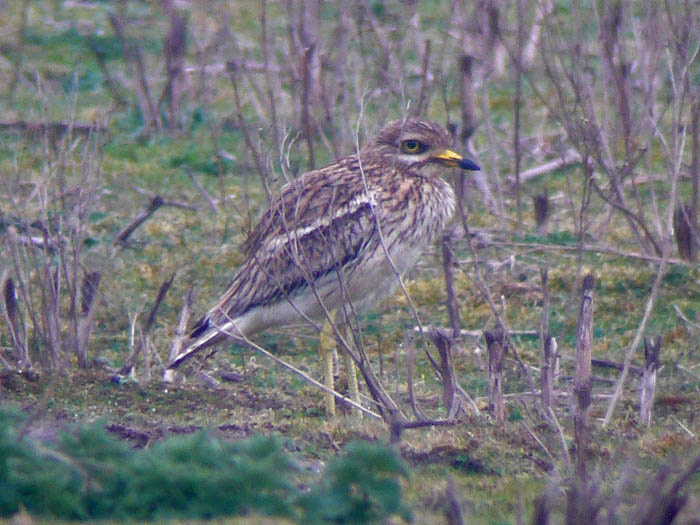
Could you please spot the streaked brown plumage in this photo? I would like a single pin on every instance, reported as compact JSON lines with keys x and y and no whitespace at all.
{"x":354,"y":222}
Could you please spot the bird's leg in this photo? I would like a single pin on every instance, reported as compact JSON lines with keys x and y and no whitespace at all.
{"x":345,"y":332}
{"x":327,"y":350}
{"x":353,"y":387}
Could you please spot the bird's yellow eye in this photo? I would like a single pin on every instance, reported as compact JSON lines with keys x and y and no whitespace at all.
{"x":412,"y":146}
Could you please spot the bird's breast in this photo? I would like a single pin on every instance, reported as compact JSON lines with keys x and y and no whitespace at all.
{"x":420,"y":207}
{"x":409,"y":219}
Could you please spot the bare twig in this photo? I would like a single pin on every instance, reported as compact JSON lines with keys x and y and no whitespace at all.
{"x":517,"y":102}
{"x":695,"y":163}
{"x":232,"y":69}
{"x":18,"y":51}
{"x":486,"y":293}
{"x":543,"y":210}
{"x":591,"y":249}
{"x":182,"y":325}
{"x":51,"y":129}
{"x":142,"y":345}
{"x":684,"y":232}
{"x":648,"y":383}
{"x":50,"y":313}
{"x":269,"y":77}
{"x":112,"y":86}
{"x":582,"y":378}
{"x":162,"y":291}
{"x":175,"y":44}
{"x":666,"y":504}
{"x":562,"y":438}
{"x":419,"y":108}
{"x":91,"y":284}
{"x":203,"y":191}
{"x":637,"y":339}
{"x":443,"y":341}
{"x":12,"y":318}
{"x":546,"y":342}
{"x":239,"y":336}
{"x":479,"y":333}
{"x":683,"y":427}
{"x":306,"y":99}
{"x":497,"y":205}
{"x":133,"y":52}
{"x":430,"y":423}
{"x":124,"y":235}
{"x":606,"y":363}
{"x":410,"y":348}
{"x":166,"y":202}
{"x":397,"y":426}
{"x":448,"y":262}
{"x":680,"y":313}
{"x":569,"y":158}
{"x":453,"y":513}
{"x":467,"y":98}
{"x":539,"y":442}
{"x":497,"y":349}
{"x":43,"y":242}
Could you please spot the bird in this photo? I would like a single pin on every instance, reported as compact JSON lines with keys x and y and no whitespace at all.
{"x":338,"y":235}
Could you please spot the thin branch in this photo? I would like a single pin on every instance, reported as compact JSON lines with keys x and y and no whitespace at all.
{"x":112,"y":85}
{"x":562,"y":438}
{"x":166,"y":202}
{"x":240,"y":336}
{"x":306,"y":99}
{"x":682,"y":316}
{"x":203,"y":191}
{"x":448,"y":263}
{"x":567,"y":159}
{"x":410,"y":349}
{"x":182,"y":325}
{"x":591,"y":249}
{"x":420,"y":105}
{"x":444,"y":343}
{"x":486,"y":293}
{"x":582,"y":378}
{"x":141,"y":344}
{"x":232,"y":68}
{"x":18,"y":51}
{"x":637,"y":340}
{"x":12,"y":318}
{"x":480,"y":333}
{"x":546,"y":344}
{"x":91,"y":284}
{"x":546,"y":450}
{"x":133,"y":52}
{"x":124,"y":235}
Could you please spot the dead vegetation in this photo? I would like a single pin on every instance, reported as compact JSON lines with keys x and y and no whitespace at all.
{"x":132,"y":174}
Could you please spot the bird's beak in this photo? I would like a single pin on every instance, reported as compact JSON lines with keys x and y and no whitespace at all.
{"x":455,"y":160}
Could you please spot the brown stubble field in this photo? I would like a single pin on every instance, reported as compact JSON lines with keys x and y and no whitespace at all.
{"x":191,"y":114}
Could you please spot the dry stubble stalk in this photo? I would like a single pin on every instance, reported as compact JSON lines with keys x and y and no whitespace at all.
{"x":582,"y":377}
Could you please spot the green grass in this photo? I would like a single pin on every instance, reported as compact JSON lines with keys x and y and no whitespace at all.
{"x":499,"y":472}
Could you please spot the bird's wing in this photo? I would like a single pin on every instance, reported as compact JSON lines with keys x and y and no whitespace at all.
{"x":319,"y":223}
{"x":302,"y":201}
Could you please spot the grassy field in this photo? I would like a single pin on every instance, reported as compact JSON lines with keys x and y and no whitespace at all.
{"x":211,"y":105}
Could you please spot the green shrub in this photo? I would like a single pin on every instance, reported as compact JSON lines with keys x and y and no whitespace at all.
{"x":90,"y":474}
{"x":30,"y":479}
{"x":359,"y":487}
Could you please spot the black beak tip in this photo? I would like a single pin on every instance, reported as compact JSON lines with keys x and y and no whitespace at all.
{"x":467,"y":164}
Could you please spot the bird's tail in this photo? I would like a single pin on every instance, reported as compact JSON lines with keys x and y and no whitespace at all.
{"x":203,"y":336}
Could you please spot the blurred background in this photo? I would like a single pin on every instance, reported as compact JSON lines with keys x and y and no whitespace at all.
{"x":139,"y":141}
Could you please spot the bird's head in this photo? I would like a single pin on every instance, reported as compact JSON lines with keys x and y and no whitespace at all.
{"x":416,"y":145}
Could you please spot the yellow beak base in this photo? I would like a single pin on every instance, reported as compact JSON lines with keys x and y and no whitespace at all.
{"x":455,"y":160}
